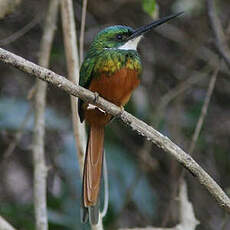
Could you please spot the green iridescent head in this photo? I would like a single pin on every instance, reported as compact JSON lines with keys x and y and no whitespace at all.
{"x":113,"y":36}
{"x":124,"y":37}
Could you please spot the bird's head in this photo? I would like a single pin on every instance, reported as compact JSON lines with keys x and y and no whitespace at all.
{"x":124,"y":37}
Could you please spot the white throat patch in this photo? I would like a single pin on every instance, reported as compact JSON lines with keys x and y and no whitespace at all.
{"x":131,"y":44}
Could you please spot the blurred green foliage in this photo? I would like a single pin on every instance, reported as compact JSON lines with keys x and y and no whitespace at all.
{"x":149,"y":6}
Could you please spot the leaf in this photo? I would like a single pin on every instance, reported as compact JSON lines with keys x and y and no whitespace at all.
{"x":150,"y":7}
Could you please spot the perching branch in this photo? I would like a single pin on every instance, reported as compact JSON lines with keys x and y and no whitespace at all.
{"x":220,"y":39}
{"x":137,"y":125}
{"x":4,"y":225}
{"x":40,"y":170}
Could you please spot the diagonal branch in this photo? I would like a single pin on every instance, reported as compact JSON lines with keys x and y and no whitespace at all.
{"x":18,"y":34}
{"x":137,"y":125}
{"x":4,"y":225}
{"x":196,"y":134}
{"x":204,"y":110}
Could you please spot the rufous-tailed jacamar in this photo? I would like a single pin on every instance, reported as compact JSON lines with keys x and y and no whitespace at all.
{"x":111,"y":68}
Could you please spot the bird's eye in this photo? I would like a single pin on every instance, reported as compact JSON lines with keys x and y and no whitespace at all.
{"x":119,"y":37}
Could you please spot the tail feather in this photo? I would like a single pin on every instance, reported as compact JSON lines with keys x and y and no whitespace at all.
{"x":94,"y":213}
{"x":90,"y":213}
{"x":84,"y":214}
{"x":92,"y":171}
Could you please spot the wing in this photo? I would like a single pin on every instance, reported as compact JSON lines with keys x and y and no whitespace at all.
{"x":85,"y":79}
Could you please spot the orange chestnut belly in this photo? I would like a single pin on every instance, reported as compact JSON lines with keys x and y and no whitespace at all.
{"x":116,"y":89}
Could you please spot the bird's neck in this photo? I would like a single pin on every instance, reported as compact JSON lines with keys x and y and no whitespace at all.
{"x":112,"y":60}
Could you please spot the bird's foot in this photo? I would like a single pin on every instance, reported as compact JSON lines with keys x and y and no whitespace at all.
{"x":95,"y":100}
{"x":121,"y":111}
{"x":96,"y":97}
{"x":90,"y":106}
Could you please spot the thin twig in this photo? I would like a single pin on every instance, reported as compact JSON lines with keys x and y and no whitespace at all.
{"x":4,"y":225}
{"x":194,"y":138}
{"x":106,"y":187}
{"x":204,"y":110}
{"x":40,"y":170}
{"x":166,"y":99}
{"x":181,"y":88}
{"x":178,"y":90}
{"x":82,"y":31}
{"x":220,"y":39}
{"x":137,"y":125}
{"x":190,"y":44}
{"x":18,"y":34}
{"x":73,"y":74}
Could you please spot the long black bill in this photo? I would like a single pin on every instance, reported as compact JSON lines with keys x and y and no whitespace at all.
{"x":154,"y":24}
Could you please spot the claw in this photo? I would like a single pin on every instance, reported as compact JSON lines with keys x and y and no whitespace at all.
{"x":121,"y":111}
{"x":92,"y":107}
{"x":96,"y":96}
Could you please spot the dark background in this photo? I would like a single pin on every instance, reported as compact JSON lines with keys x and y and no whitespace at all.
{"x":142,"y":177}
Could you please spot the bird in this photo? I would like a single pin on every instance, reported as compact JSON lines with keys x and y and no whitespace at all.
{"x":111,"y":69}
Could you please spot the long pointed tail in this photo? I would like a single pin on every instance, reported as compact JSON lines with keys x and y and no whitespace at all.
{"x":92,"y":172}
